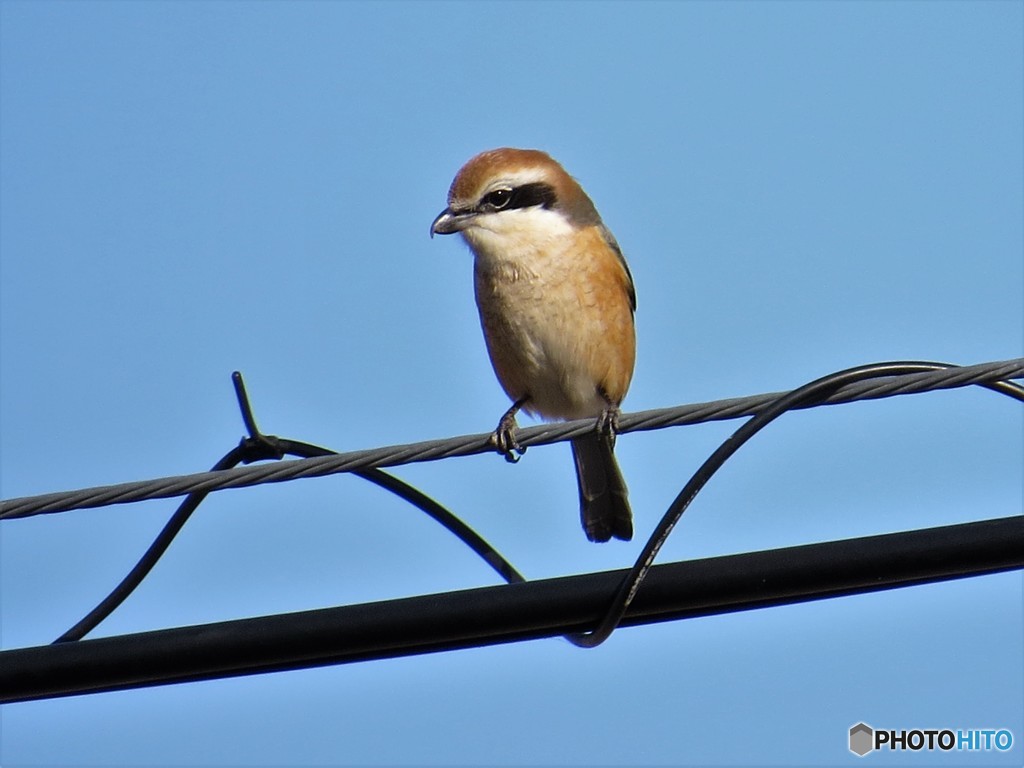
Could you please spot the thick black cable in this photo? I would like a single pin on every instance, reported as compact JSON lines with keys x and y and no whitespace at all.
{"x":512,"y":613}
{"x":260,"y":447}
{"x":466,"y":445}
{"x":813,"y":392}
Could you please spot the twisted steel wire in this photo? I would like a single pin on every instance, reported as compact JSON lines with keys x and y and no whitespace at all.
{"x":467,"y":445}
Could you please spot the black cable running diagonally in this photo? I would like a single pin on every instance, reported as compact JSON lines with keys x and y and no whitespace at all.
{"x":259,"y":447}
{"x":809,"y":394}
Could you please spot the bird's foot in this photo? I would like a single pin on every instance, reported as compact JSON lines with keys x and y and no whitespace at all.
{"x":504,"y":437}
{"x":608,"y":423}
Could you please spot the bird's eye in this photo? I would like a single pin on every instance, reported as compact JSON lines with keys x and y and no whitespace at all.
{"x":497,"y":199}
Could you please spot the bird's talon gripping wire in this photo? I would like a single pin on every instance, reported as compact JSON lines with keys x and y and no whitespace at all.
{"x":504,"y":440}
{"x":608,"y":423}
{"x":504,"y":437}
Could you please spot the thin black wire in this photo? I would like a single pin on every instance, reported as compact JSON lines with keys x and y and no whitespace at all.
{"x":382,"y":479}
{"x":260,"y":447}
{"x":808,"y":394}
{"x":150,"y":557}
{"x":474,"y":444}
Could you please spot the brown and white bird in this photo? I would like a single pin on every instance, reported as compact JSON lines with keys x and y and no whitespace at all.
{"x":556,"y":303}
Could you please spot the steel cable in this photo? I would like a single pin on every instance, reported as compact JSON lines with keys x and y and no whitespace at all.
{"x":432,"y":450}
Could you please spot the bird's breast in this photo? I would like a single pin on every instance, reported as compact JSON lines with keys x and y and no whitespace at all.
{"x":557,"y":320}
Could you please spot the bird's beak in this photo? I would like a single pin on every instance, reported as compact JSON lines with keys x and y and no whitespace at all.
{"x":449,"y":222}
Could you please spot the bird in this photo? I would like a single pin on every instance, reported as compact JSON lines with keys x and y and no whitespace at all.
{"x":556,"y":303}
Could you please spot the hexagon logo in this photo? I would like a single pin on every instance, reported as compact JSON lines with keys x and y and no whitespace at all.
{"x":862,"y":738}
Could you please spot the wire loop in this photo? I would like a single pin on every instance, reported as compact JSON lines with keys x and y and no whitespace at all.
{"x":859,"y":383}
{"x":259,"y":447}
{"x":809,"y":394}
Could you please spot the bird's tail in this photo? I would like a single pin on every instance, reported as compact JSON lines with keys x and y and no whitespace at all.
{"x":604,"y":503}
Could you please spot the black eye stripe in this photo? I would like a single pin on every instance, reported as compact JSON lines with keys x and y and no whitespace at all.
{"x":526,"y":196}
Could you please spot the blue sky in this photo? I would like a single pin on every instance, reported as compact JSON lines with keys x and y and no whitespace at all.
{"x":187,"y":189}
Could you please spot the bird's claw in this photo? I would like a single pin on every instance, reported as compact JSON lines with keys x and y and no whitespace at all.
{"x":608,"y":423}
{"x":504,"y":439}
